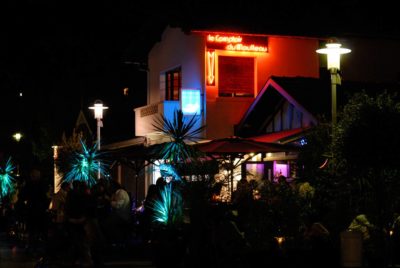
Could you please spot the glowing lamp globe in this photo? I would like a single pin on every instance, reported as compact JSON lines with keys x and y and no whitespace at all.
{"x":333,"y":52}
{"x":17,"y":136}
{"x":98,"y":109}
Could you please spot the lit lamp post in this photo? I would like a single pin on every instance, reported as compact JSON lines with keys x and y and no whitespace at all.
{"x":17,"y":137}
{"x":333,"y":52}
{"x":98,"y":114}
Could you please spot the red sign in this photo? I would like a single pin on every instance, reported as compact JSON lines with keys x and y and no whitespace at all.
{"x":236,"y":42}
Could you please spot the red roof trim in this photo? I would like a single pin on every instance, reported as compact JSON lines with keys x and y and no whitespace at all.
{"x":277,"y":136}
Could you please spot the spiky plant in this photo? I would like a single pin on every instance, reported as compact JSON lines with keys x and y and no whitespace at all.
{"x":168,"y":209}
{"x":6,"y":179}
{"x":179,"y":131}
{"x":85,"y":165}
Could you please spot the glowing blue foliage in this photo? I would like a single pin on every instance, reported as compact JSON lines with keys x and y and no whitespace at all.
{"x":162,"y":207}
{"x":6,"y":180}
{"x":168,"y":210}
{"x":85,"y":166}
{"x":168,"y":170}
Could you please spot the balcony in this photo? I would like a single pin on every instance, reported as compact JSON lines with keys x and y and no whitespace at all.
{"x":146,"y":116}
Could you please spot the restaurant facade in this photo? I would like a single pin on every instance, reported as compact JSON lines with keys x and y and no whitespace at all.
{"x":217,"y":77}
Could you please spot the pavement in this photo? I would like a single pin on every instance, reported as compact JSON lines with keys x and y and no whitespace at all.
{"x":15,"y":254}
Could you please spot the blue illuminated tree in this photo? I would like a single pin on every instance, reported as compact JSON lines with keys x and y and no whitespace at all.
{"x":6,"y":179}
{"x":180,"y":130}
{"x":85,"y":165}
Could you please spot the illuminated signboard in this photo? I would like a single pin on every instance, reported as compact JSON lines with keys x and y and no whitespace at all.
{"x":191,"y":101}
{"x":249,"y":43}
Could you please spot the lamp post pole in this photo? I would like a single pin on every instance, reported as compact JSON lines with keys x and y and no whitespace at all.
{"x":98,"y":115}
{"x":335,"y":80}
{"x":333,"y":52}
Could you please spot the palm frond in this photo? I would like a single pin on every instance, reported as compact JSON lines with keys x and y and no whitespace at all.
{"x":180,"y":131}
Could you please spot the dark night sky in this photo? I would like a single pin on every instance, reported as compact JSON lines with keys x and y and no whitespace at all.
{"x":63,"y":54}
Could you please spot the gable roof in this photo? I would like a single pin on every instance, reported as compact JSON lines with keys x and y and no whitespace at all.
{"x":308,"y":95}
{"x":82,"y":125}
{"x":272,"y":96}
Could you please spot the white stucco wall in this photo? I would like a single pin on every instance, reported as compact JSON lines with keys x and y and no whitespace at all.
{"x":176,"y":49}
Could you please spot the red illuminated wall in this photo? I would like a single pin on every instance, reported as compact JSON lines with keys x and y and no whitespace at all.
{"x":286,"y":56}
{"x":289,"y":56}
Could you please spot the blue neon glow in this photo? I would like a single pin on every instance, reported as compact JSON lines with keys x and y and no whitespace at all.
{"x":191,"y":101}
{"x":6,"y":180}
{"x":168,"y":170}
{"x":85,"y":166}
{"x":303,"y":142}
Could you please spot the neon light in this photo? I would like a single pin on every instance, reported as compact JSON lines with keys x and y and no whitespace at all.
{"x":241,"y":47}
{"x":324,"y":164}
{"x":210,"y":65}
{"x":224,"y":38}
{"x":235,"y":42}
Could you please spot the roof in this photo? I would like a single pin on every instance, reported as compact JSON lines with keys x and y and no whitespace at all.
{"x":312,"y":95}
{"x":133,"y":149}
{"x":282,"y":136}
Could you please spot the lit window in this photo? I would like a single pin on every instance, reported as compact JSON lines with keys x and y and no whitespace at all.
{"x":173,"y":84}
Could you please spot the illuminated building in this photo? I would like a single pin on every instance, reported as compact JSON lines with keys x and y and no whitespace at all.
{"x":227,"y":69}
{"x":259,"y":86}
{"x":218,"y":76}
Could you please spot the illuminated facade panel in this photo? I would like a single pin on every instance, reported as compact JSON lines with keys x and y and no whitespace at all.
{"x":191,"y":102}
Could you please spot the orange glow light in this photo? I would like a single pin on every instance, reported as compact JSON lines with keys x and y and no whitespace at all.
{"x":210,"y":67}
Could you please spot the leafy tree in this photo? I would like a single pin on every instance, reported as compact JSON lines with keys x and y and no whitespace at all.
{"x":366,"y":172}
{"x":314,"y":156}
{"x":366,"y":144}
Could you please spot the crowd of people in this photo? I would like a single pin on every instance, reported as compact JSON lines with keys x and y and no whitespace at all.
{"x":78,"y":223}
{"x":75,"y":224}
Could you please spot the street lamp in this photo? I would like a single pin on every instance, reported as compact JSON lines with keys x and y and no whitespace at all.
{"x":17,"y":136}
{"x":333,"y":52}
{"x":98,"y":114}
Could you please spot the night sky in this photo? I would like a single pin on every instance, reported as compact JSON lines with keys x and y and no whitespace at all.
{"x":63,"y":55}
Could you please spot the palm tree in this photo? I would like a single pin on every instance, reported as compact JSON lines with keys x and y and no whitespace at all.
{"x":180,"y":131}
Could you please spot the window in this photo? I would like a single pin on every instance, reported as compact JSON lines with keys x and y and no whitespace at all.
{"x":173,"y":84}
{"x":236,"y":76}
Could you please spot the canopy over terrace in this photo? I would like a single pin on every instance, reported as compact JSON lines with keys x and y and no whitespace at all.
{"x":234,"y":151}
{"x":241,"y":146}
